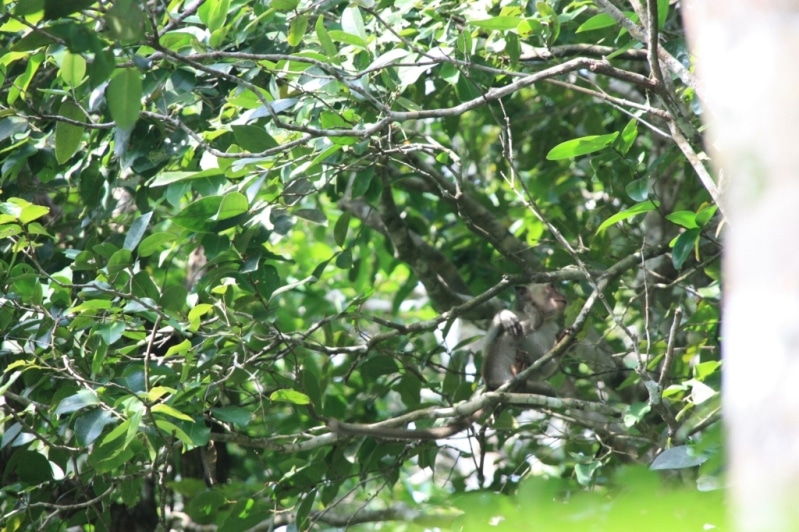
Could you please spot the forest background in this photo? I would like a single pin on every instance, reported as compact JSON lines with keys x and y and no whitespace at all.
{"x":225,"y":223}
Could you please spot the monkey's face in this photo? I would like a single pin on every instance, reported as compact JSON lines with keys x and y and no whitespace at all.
{"x":555,"y":300}
{"x":546,"y":298}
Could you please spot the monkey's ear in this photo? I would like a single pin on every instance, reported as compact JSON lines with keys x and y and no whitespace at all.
{"x":521,"y":289}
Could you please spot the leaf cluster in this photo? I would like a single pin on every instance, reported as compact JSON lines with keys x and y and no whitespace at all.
{"x":224,"y":223}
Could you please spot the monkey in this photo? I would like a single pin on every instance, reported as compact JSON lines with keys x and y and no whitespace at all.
{"x":514,"y":340}
{"x":519,"y":337}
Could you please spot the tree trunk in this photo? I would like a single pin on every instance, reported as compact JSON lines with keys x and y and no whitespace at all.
{"x":746,"y":60}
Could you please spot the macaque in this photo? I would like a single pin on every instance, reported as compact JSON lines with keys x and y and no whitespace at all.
{"x":515,"y":339}
{"x":519,"y":337}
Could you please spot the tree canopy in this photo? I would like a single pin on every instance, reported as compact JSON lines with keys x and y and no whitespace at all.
{"x":228,"y":225}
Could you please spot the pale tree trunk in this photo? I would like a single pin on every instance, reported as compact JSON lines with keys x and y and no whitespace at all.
{"x":747,"y":55}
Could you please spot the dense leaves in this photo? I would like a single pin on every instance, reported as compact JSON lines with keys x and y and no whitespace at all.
{"x":225,"y":223}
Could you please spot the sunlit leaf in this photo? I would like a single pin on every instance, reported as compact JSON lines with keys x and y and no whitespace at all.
{"x":232,"y":204}
{"x":166,"y":410}
{"x":73,"y":70}
{"x":497,"y":23}
{"x":597,"y":22}
{"x":297,"y":28}
{"x":290,"y":396}
{"x":635,"y":210}
{"x":581,"y":146}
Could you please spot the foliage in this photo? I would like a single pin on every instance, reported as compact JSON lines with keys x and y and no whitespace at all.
{"x":224,"y":223}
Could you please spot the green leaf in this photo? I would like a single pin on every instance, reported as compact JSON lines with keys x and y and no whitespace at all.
{"x":465,"y":43}
{"x":91,"y":305}
{"x":72,"y":71}
{"x":167,"y":178}
{"x":166,"y":410}
{"x":232,"y":204}
{"x":344,"y":259}
{"x":252,"y":138}
{"x":30,"y":213}
{"x":30,"y":467}
{"x":120,"y":260}
{"x":682,"y":247}
{"x":133,"y":427}
{"x":61,"y":8}
{"x":233,"y":414}
{"x":635,"y":210}
{"x":154,"y":243}
{"x":530,"y":26}
{"x":362,"y":182}
{"x":304,"y":510}
{"x":245,"y":515}
{"x":704,"y":214}
{"x":111,"y":332}
{"x":349,"y":38}
{"x":199,"y":310}
{"x":628,"y":136}
{"x":20,"y":84}
{"x":214,"y":14}
{"x":513,"y":47}
{"x":90,"y":425}
{"x":502,"y":23}
{"x":297,"y":28}
{"x":341,"y":228}
{"x":204,"y":506}
{"x":550,"y":17}
{"x":178,"y":349}
{"x":199,"y":216}
{"x":312,"y":215}
{"x":581,"y":146}
{"x":284,"y":5}
{"x":409,"y":74}
{"x":78,"y":401}
{"x":125,"y":21}
{"x":174,"y":298}
{"x":170,"y":428}
{"x":328,"y":47}
{"x":585,"y":472}
{"x":116,"y":433}
{"x":68,"y":136}
{"x":679,"y":457}
{"x":102,"y":67}
{"x":10,"y":230}
{"x":137,"y":230}
{"x":297,"y":189}
{"x":663,"y":12}
{"x":597,"y":22}
{"x":685,"y":219}
{"x":143,"y":286}
{"x":377,"y":366}
{"x":287,"y":395}
{"x":409,"y":389}
{"x":124,"y":97}
{"x":635,"y":413}
{"x":638,"y":189}
{"x":352,"y":23}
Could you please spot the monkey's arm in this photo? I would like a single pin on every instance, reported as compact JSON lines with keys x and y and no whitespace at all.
{"x":504,"y":353}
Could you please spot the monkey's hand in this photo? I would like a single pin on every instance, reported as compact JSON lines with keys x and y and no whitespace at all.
{"x":510,"y":322}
